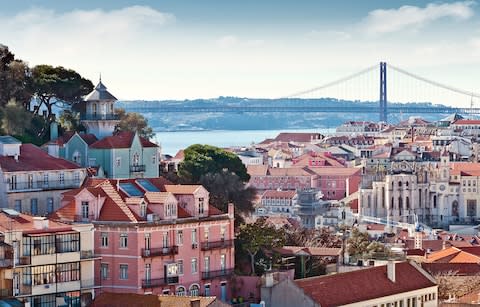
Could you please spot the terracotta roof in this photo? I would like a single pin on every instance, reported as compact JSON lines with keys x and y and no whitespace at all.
{"x":279,"y":194}
{"x":180,"y":155}
{"x":63,"y":139}
{"x":363,"y":285}
{"x":157,"y":197}
{"x":32,"y":158}
{"x":467,"y":122}
{"x":257,"y":170}
{"x":25,"y":223}
{"x":182,"y":188}
{"x":453,"y":255}
{"x":457,"y":268}
{"x":106,"y":299}
{"x":312,"y":251}
{"x":214,"y":211}
{"x":120,"y":140}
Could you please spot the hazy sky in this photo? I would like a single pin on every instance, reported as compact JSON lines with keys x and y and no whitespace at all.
{"x":192,"y":49}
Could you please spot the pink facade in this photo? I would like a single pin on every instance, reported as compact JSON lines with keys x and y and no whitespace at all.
{"x":148,"y":246}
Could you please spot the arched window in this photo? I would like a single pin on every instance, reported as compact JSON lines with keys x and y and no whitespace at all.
{"x":136,"y":158}
{"x":407,"y":201}
{"x":194,"y":290}
{"x":181,"y":291}
{"x":399,"y":184}
{"x":369,"y":199}
{"x":455,"y":208}
{"x":77,"y":157}
{"x":94,"y":109}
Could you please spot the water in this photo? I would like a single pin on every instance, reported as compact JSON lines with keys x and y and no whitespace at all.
{"x":172,"y":141}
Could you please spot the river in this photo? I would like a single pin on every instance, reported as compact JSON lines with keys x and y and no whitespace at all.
{"x":172,"y":141}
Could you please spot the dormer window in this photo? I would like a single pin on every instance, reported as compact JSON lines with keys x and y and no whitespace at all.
{"x":200,"y":206}
{"x":143,"y":209}
{"x":136,"y":158}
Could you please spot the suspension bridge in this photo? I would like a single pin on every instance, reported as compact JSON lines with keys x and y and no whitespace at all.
{"x":383,"y":89}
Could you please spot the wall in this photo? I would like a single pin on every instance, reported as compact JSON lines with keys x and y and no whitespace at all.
{"x":286,"y":294}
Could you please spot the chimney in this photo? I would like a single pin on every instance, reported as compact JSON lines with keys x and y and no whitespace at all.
{"x":195,"y":302}
{"x":269,"y":280}
{"x":391,"y":270}
{"x":40,"y":222}
{"x":231,"y":210}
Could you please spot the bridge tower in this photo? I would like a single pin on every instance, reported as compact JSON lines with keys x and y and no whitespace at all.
{"x":383,"y":91}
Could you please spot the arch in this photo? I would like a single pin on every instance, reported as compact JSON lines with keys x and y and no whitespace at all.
{"x":181,"y":291}
{"x":194,"y":290}
{"x":455,"y":209}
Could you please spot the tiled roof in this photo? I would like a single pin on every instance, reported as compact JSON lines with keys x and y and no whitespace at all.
{"x":120,"y":140}
{"x":312,"y":251}
{"x":363,"y":285}
{"x":182,"y":188}
{"x":457,"y":268}
{"x":467,"y":122}
{"x":106,"y":299}
{"x":157,"y":197}
{"x":180,"y":155}
{"x":279,"y":194}
{"x":32,"y":158}
{"x":99,"y":93}
{"x":213,"y":211}
{"x":453,"y":255}
{"x":25,"y":223}
{"x":257,"y":170}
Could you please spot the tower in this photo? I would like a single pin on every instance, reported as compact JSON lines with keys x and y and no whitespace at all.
{"x":99,"y":117}
{"x":383,"y":91}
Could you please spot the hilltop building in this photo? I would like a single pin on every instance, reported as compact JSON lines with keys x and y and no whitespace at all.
{"x":154,"y":237}
{"x":45,"y":263}
{"x":120,"y":155}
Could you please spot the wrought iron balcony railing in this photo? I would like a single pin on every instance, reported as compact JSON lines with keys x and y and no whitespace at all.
{"x":43,"y":185}
{"x":98,"y":116}
{"x":138,"y":168}
{"x":215,"y":274}
{"x":160,"y":251}
{"x":159,"y":282}
{"x":216,"y":245}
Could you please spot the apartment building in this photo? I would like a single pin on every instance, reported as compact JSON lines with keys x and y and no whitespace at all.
{"x":45,"y":263}
{"x":31,"y":180}
{"x":155,"y":238}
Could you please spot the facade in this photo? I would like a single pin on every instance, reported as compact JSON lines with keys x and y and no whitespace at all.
{"x":32,"y":180}
{"x":46,"y":263}
{"x":99,"y":117}
{"x":155,"y":238}
{"x":396,"y":284}
{"x":278,"y":202}
{"x":72,"y":146}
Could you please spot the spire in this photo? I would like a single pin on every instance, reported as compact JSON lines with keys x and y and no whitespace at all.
{"x":100,"y":78}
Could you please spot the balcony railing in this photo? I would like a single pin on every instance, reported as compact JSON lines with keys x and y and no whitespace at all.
{"x":215,"y":274}
{"x":159,"y":282}
{"x":160,"y":251}
{"x":87,"y":254}
{"x":43,"y":185}
{"x":97,"y":116}
{"x":89,"y":283}
{"x":24,"y":260}
{"x":216,"y":245}
{"x":83,"y":219}
{"x":137,"y":168}
{"x":5,"y":292}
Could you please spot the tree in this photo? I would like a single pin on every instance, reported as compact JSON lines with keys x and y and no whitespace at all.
{"x":226,"y":187}
{"x":16,"y":120}
{"x":203,"y":159}
{"x":134,"y":122}
{"x":359,"y":246}
{"x":14,"y":79}
{"x":57,"y":85}
{"x":70,"y":121}
{"x":259,"y":235}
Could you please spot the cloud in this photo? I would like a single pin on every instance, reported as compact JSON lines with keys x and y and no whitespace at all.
{"x":230,"y":41}
{"x":392,"y":20}
{"x":227,"y":41}
{"x":329,"y":34}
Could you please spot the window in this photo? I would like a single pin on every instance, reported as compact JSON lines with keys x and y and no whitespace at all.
{"x":123,"y":271}
{"x":118,"y":162}
{"x":85,"y":210}
{"x":104,"y":242}
{"x":13,"y":182}
{"x":154,"y":159}
{"x":77,"y":158}
{"x":180,"y":267}
{"x":223,"y":262}
{"x":76,"y":177}
{"x":148,"y":241}
{"x":45,"y":179}
{"x":181,"y":291}
{"x":34,"y":206}
{"x":223,"y":231}
{"x":143,"y":209}
{"x":207,"y":263}
{"x":148,"y":271}
{"x":124,"y":240}
{"x":135,"y":159}
{"x":194,"y":265}
{"x":165,"y":239}
{"x":206,"y":234}
{"x":194,"y":236}
{"x":61,"y":178}
{"x":194,"y":290}
{"x":180,"y":237}
{"x":30,"y":181}
{"x":49,"y":204}
{"x":207,"y":290}
{"x":200,"y":205}
{"x":104,"y":270}
{"x":18,"y":205}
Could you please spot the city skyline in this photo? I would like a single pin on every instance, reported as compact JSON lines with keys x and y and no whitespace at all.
{"x":186,"y":49}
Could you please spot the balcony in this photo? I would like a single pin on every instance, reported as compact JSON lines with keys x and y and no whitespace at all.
{"x":25,"y":260}
{"x":42,"y":185}
{"x":89,"y":283}
{"x":159,"y":282}
{"x":87,"y":254}
{"x":216,"y":245}
{"x":215,"y":274}
{"x":160,"y":251}
{"x":97,"y":116}
{"x":137,"y":168}
{"x":83,"y":219}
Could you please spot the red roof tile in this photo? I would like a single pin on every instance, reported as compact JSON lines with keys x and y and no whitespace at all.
{"x":120,"y":140}
{"x":363,"y":285}
{"x":32,"y":158}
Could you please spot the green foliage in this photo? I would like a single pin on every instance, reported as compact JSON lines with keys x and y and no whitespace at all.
{"x":15,"y":120}
{"x":134,"y":122}
{"x":58,"y":85}
{"x":70,"y":121}
{"x":256,"y":236}
{"x":203,"y":159}
{"x":359,"y":246}
{"x":14,"y":79}
{"x":226,"y":187}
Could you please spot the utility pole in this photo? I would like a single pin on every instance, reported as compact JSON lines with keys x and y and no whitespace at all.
{"x":383,"y":92}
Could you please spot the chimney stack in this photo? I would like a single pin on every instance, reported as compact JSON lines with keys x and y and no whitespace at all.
{"x":391,"y":270}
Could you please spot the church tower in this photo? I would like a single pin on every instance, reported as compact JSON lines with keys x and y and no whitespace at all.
{"x":99,"y":117}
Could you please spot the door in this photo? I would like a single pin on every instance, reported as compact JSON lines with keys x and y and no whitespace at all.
{"x":223,"y":291}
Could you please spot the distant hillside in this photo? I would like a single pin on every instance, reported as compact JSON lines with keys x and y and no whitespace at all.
{"x":263,"y":121}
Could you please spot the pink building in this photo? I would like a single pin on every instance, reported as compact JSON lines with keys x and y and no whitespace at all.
{"x":154,"y":237}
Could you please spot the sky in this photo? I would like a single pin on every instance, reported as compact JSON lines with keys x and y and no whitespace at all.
{"x":185,"y":49}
